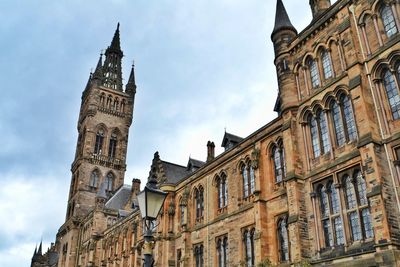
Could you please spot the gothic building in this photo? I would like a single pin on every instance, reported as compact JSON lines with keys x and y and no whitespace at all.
{"x":316,"y":186}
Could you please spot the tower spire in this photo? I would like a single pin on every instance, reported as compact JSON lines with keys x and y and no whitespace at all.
{"x":282,"y":21}
{"x":131,"y":85}
{"x":112,"y":72}
{"x":40,"y":248}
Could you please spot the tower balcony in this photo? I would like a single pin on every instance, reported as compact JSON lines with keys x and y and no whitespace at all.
{"x":107,"y":161}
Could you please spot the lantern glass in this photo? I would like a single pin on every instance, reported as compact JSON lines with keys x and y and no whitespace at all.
{"x":150,"y":202}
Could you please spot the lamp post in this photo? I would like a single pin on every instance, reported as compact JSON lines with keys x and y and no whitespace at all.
{"x":150,"y":201}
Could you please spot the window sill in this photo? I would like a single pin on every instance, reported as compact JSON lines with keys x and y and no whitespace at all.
{"x":222,"y":210}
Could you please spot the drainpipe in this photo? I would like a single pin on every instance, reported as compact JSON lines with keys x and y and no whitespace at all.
{"x":390,"y":161}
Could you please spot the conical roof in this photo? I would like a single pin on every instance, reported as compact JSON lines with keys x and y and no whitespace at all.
{"x":282,"y":21}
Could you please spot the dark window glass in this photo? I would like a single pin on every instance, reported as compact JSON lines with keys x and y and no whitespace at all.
{"x":334,"y":197}
{"x":94,"y":179}
{"x":339,"y":231}
{"x":245,"y":181}
{"x":99,"y":142}
{"x":277,"y":165}
{"x":350,"y":196}
{"x":113,"y":146}
{"x":392,"y":93}
{"x":349,"y":118}
{"x":314,"y":137}
{"x":337,"y":120}
{"x":312,"y":64}
{"x":326,"y":145}
{"x":326,"y":64}
{"x":389,"y":23}
{"x":327,"y":233}
{"x":367,"y":223}
{"x":283,"y":240}
{"x":355,"y":226}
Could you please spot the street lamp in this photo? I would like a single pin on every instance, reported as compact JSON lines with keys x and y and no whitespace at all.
{"x":150,"y":201}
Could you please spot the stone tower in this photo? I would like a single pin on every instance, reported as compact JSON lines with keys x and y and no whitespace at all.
{"x":100,"y":158}
{"x":319,"y":6}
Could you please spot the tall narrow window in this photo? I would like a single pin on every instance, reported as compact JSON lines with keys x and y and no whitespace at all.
{"x":277,"y":165}
{"x":198,"y":255}
{"x":248,"y":242}
{"x":199,"y":199}
{"x":182,"y":213}
{"x":109,"y":181}
{"x":283,"y":240}
{"x":388,"y":20}
{"x":349,"y":118}
{"x":338,"y":123}
{"x":326,"y":145}
{"x":99,"y":142}
{"x":312,"y":64}
{"x":222,"y":251}
{"x":245,"y":178}
{"x":392,"y":92}
{"x":222,"y":191}
{"x":252,"y":179}
{"x":350,"y":194}
{"x":314,"y":136}
{"x":94,"y":179}
{"x":326,"y":64}
{"x":112,"y":146}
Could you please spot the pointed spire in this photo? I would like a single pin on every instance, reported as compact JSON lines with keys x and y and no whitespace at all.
{"x":89,"y":82}
{"x":34,"y":253}
{"x":98,"y":72}
{"x":131,"y":85}
{"x":112,"y":71}
{"x":115,"y":43}
{"x":282,"y":21}
{"x":40,"y":248}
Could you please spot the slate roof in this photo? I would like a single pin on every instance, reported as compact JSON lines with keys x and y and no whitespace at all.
{"x":120,"y":198}
{"x":282,"y":21}
{"x":231,"y":138}
{"x":174,"y":173}
{"x":194,"y":163}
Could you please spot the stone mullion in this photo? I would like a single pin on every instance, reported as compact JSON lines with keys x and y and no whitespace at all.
{"x":330,"y":132}
{"x":378,"y":35}
{"x":395,"y":15}
{"x":298,"y":87}
{"x":381,"y":108}
{"x":341,"y":213}
{"x":364,"y":35}
{"x":306,"y":80}
{"x":316,"y":228}
{"x":306,"y":145}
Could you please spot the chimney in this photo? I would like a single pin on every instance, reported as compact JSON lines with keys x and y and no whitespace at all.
{"x":135,"y":186}
{"x":210,"y":151}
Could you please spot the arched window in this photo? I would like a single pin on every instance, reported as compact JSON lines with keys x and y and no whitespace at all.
{"x":102,"y":99}
{"x":323,"y":127}
{"x":248,"y":244}
{"x":350,"y":194}
{"x":248,"y":177}
{"x":388,"y":21}
{"x":312,"y":65}
{"x":392,"y":92}
{"x":109,"y":181}
{"x":199,"y":200}
{"x":326,"y":64}
{"x":99,"y":142}
{"x":278,"y":156}
{"x":222,"y":191}
{"x":123,"y":103}
{"x":182,"y":213}
{"x":314,"y":136}
{"x":112,"y":145}
{"x":245,"y":181}
{"x":283,"y":239}
{"x":337,"y":120}
{"x":349,"y":118}
{"x":94,"y":179}
{"x":116,"y":104}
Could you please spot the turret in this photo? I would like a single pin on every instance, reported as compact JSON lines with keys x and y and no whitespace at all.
{"x":319,"y":6}
{"x":282,"y":35}
{"x":131,"y":85}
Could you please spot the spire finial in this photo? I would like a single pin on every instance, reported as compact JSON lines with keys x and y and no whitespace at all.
{"x":282,"y":21}
{"x":112,"y":70}
{"x":131,"y":85}
{"x":115,"y":43}
{"x":40,"y":248}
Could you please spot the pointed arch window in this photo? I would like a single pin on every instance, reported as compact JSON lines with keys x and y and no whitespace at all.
{"x":99,"y":142}
{"x":248,"y":177}
{"x":314,"y":136}
{"x":199,"y":202}
{"x":392,"y":92}
{"x":283,"y":238}
{"x":182,"y":213}
{"x":343,"y":120}
{"x":222,"y":191}
{"x":326,"y":64}
{"x":388,"y":20}
{"x":314,"y":75}
{"x":324,"y":132}
{"x":112,"y":145}
{"x":94,"y":179}
{"x":248,"y":245}
{"x":278,"y":154}
{"x":109,"y":181}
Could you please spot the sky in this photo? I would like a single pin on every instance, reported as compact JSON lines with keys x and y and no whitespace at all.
{"x":202,"y":66}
